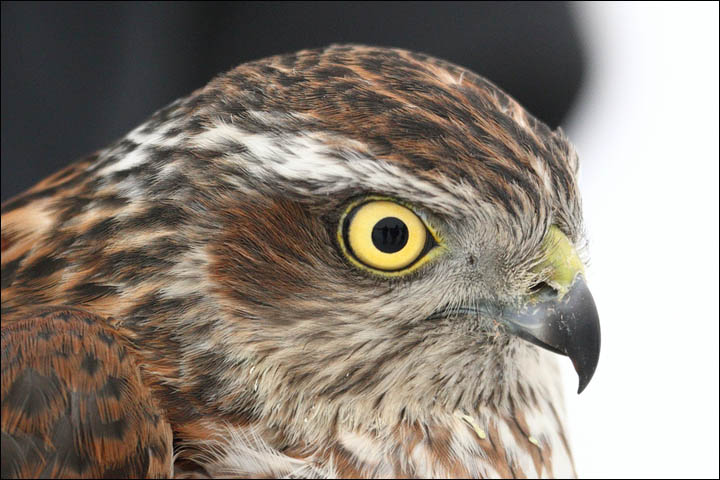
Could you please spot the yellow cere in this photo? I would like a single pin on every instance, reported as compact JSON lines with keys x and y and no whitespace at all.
{"x":562,"y":259}
{"x":361,"y":229}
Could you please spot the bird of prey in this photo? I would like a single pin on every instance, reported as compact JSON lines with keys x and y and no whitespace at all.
{"x":341,"y":262}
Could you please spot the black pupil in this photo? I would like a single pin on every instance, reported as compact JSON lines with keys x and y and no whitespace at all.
{"x":390,"y":235}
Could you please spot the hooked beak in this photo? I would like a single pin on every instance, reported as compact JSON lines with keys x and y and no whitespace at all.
{"x":567,"y":324}
{"x":562,"y":316}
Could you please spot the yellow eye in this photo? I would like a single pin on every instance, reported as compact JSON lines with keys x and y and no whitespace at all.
{"x":384,"y":235}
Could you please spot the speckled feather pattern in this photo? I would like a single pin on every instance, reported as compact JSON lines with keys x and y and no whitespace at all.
{"x":203,"y":244}
{"x":74,"y":401}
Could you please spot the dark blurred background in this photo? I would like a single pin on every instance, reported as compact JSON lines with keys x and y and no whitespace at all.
{"x":76,"y":76}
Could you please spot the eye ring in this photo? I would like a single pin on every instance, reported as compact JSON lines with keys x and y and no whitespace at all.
{"x":385,"y":237}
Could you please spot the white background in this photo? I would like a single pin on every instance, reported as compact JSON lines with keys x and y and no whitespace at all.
{"x":646,"y":128}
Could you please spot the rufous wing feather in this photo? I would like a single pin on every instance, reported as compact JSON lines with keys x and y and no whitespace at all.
{"x":74,"y":404}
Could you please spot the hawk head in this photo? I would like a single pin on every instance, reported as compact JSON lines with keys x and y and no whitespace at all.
{"x":334,"y":244}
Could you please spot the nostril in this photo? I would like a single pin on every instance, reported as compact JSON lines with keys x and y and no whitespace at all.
{"x":541,"y":287}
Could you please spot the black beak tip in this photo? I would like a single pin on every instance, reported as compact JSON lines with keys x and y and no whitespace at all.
{"x":584,"y":350}
{"x":586,"y":362}
{"x":583,"y":381}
